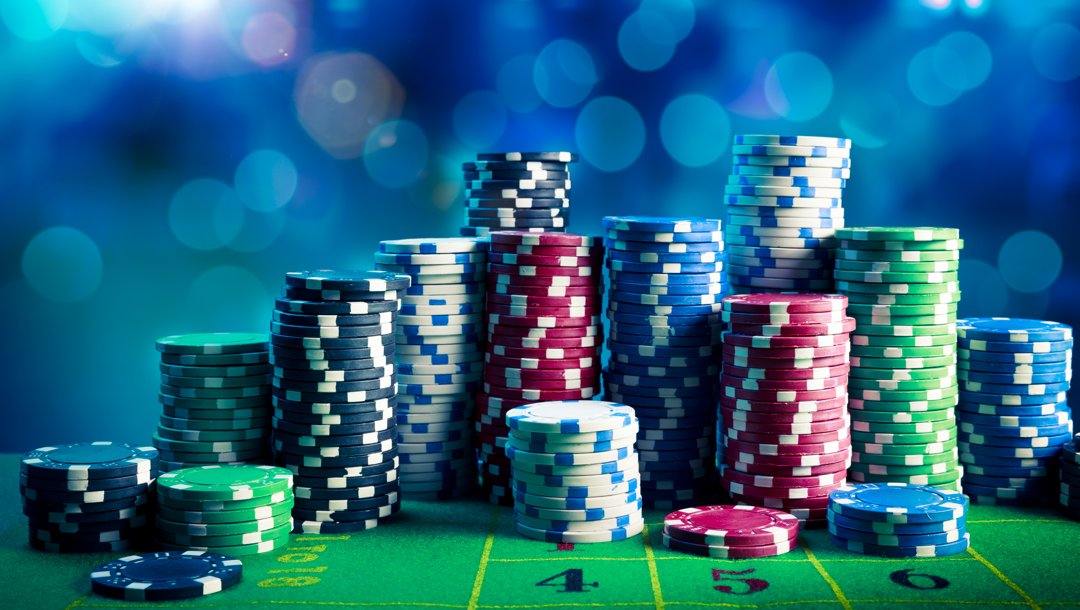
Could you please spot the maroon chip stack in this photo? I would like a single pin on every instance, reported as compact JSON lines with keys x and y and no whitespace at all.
{"x":544,"y":335}
{"x":785,"y":430}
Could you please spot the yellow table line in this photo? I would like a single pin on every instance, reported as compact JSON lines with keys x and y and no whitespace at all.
{"x":1003,"y":578}
{"x":654,"y":575}
{"x":485,"y":558}
{"x":75,"y":603}
{"x":829,"y":580}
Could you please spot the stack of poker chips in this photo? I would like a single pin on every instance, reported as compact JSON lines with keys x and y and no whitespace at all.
{"x":334,"y":396}
{"x":233,"y":509}
{"x":663,"y":305}
{"x":87,"y":497}
{"x":731,"y":532}
{"x":902,"y":289}
{"x":898,"y":520}
{"x":1069,"y":491}
{"x":784,"y":206}
{"x":785,"y":433}
{"x":543,"y":335}
{"x":439,"y":338}
{"x":575,"y":471}
{"x":215,"y":397}
{"x":1013,"y":415}
{"x":526,"y":191}
{"x":166,"y":576}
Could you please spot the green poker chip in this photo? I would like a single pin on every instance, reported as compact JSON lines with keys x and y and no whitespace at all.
{"x":874,"y":351}
{"x":214,"y":517}
{"x":904,"y":406}
{"x":859,"y":338}
{"x":178,"y":370}
{"x":885,"y":277}
{"x":204,"y":506}
{"x":226,"y":482}
{"x":948,"y":446}
{"x":902,"y":428}
{"x":922,"y":463}
{"x":903,"y":363}
{"x":949,"y":479}
{"x":845,"y":286}
{"x":901,"y":374}
{"x":209,"y":344}
{"x":861,"y":309}
{"x":913,"y":395}
{"x":889,"y":320}
{"x":905,"y":256}
{"x":215,"y":382}
{"x":274,"y":533}
{"x":907,"y":331}
{"x":902,"y":385}
{"x":894,"y":438}
{"x":900,"y":246}
{"x":251,"y":526}
{"x":897,"y":266}
{"x":906,"y":234}
{"x":889,"y":417}
{"x":245,"y":434}
{"x":870,"y":298}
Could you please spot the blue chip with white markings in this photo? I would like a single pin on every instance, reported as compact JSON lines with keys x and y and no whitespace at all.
{"x":898,"y":503}
{"x":1015,"y":330}
{"x":671,"y":224}
{"x":167,"y":575}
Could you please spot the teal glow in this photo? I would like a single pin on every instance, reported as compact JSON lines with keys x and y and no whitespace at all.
{"x":205,"y":214}
{"x":479,"y":119}
{"x":695,"y":129}
{"x":62,"y":264}
{"x":396,"y":153}
{"x":798,"y":86}
{"x":265,"y":180}
{"x":1030,"y":261}
{"x":564,"y":73}
{"x":610,"y":133}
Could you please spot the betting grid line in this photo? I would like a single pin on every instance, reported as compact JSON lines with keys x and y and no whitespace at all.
{"x":654,"y":575}
{"x":1034,"y":605}
{"x":485,"y":558}
{"x":77,"y":602}
{"x":829,"y":580}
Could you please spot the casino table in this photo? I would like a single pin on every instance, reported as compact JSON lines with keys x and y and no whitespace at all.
{"x":465,"y":554}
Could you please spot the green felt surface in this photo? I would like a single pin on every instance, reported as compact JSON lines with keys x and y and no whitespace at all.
{"x":465,"y":554}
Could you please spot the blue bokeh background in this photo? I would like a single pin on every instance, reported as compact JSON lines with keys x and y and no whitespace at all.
{"x":167,"y":160}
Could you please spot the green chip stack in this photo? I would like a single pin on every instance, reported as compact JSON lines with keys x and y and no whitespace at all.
{"x":231,"y":509}
{"x":215,"y":399}
{"x":902,"y":287}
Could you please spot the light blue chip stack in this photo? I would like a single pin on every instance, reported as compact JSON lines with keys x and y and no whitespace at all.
{"x":666,"y":284}
{"x":439,"y":361}
{"x":784,"y":204}
{"x":575,"y":471}
{"x":898,"y":520}
{"x":1013,"y":415}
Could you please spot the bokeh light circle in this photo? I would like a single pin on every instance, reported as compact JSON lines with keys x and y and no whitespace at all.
{"x":679,"y":15}
{"x":265,"y":180}
{"x":268,"y":38}
{"x":396,"y":153}
{"x":609,"y":133}
{"x":798,"y":86}
{"x":205,"y":214}
{"x":230,"y":297}
{"x":1055,"y":51}
{"x":514,"y":82}
{"x":479,"y":119}
{"x":564,"y":73}
{"x":646,"y":41}
{"x":924,"y":82}
{"x":984,"y":290}
{"x":695,"y":129}
{"x":62,"y":264}
{"x":259,"y":231}
{"x":1030,"y":261}
{"x":34,"y":19}
{"x":962,"y":60}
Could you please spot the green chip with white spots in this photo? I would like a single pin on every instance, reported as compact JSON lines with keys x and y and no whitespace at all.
{"x":845,"y":286}
{"x":209,"y":344}
{"x":888,"y":417}
{"x":886,"y":299}
{"x":896,"y":266}
{"x":907,"y":256}
{"x":905,"y":385}
{"x":915,"y":234}
{"x":903,"y":363}
{"x":900,"y":341}
{"x":927,"y":320}
{"x":916,"y":463}
{"x":885,"y":351}
{"x":225,"y":482}
{"x":913,"y":330}
{"x":924,"y":427}
{"x":943,"y":245}
{"x":896,"y":438}
{"x":901,"y":374}
{"x":946,"y":479}
{"x":869,"y":311}
{"x":888,"y":277}
{"x":946,"y":447}
{"x":902,"y":407}
{"x":898,"y":396}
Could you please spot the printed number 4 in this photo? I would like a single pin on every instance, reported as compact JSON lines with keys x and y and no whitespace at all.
{"x":568,"y":581}
{"x":751,"y":585}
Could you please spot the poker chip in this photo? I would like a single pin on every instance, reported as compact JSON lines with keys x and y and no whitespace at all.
{"x":168,"y":575}
{"x":517,"y":193}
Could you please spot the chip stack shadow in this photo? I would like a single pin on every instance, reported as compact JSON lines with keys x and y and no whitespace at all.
{"x":666,"y":283}
{"x":1013,"y":414}
{"x":784,"y":206}
{"x":215,"y":399}
{"x":785,"y":433}
{"x":524,"y":191}
{"x":902,"y":289}
{"x":439,"y":339}
{"x":543,"y":335}
{"x":334,"y":396}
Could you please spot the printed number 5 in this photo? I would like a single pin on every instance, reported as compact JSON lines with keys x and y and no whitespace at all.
{"x":752,"y":585}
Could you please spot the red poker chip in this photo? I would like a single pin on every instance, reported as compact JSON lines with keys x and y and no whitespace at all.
{"x":783,"y":318}
{"x":515,"y":300}
{"x":544,"y":343}
{"x":731,"y":421}
{"x":537,"y":311}
{"x":554,"y":353}
{"x":792,"y":363}
{"x":783,"y":373}
{"x":806,"y":406}
{"x":563,"y":331}
{"x":786,"y":493}
{"x":543,"y":363}
{"x":784,"y":395}
{"x":772,"y":438}
{"x":515,"y":279}
{"x":783,"y":342}
{"x":782,"y":302}
{"x":590,"y":291}
{"x":539,"y":394}
{"x":781,"y":353}
{"x":787,"y":461}
{"x":780,"y":482}
{"x":834,"y":413}
{"x":539,"y":260}
{"x":529,"y":383}
{"x":772,"y":450}
{"x":535,"y":271}
{"x":498,"y":319}
{"x":845,"y":327}
{"x":771,"y":470}
{"x":486,"y":401}
{"x":524,"y":238}
{"x":734,"y":552}
{"x":568,"y":374}
{"x":806,"y":509}
{"x":729,"y":525}
{"x":801,"y":385}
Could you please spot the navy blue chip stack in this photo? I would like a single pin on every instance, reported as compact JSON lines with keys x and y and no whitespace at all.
{"x":522,"y":191}
{"x":1013,"y":415}
{"x":666,"y":284}
{"x":1069,"y":490}
{"x":215,"y":399}
{"x":898,"y":520}
{"x":439,"y":363}
{"x":334,"y":396}
{"x":784,"y":204}
{"x":87,"y":497}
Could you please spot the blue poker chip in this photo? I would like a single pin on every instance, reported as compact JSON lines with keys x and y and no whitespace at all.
{"x":473,"y":335}
{"x":341,"y":308}
{"x":1011,"y":368}
{"x":634,"y":335}
{"x":968,"y":406}
{"x":786,"y":181}
{"x":167,"y":575}
{"x":747,"y":233}
{"x":898,"y":503}
{"x":1011,"y":452}
{"x":666,"y":224}
{"x":360,"y":281}
{"x":974,"y":356}
{"x":90,"y":461}
{"x":991,"y":393}
{"x":437,"y":245}
{"x":693,"y":355}
{"x":1047,"y":439}
{"x":644,"y":287}
{"x":455,"y":288}
{"x":796,"y":191}
{"x":716,"y":247}
{"x":621,"y":294}
{"x":781,"y":242}
{"x":1062,"y":377}
{"x":676,"y":311}
{"x":1035,"y":348}
{"x":781,"y":140}
{"x":766,"y":252}
{"x":791,"y":161}
{"x":678,"y":320}
{"x":742,"y":221}
{"x":636,"y":256}
{"x":409,"y":368}
{"x":1056,"y":418}
{"x":693,"y":403}
{"x":1029,"y":483}
{"x":619,"y":360}
{"x":780,"y":212}
{"x":701,"y":333}
{"x":666,"y":268}
{"x":457,"y":309}
{"x":974,"y":467}
{"x":663,"y":236}
{"x":624,"y":278}
{"x":1014,"y":330}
